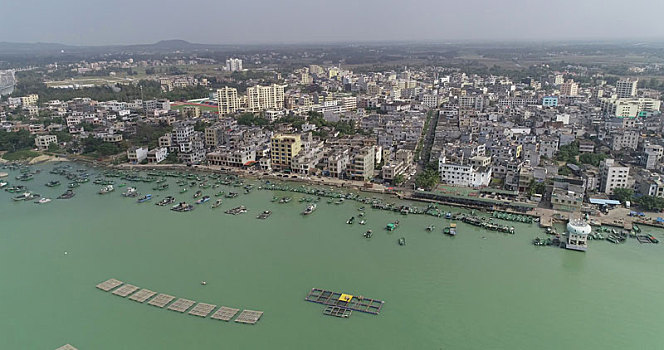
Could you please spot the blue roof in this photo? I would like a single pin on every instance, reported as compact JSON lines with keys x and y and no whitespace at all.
{"x":604,"y":201}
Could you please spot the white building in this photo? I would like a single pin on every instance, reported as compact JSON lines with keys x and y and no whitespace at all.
{"x":157,"y":155}
{"x":233,"y":64}
{"x":577,"y":235}
{"x":43,"y":141}
{"x":476,"y":173}
{"x":612,"y":175}
{"x":137,"y":154}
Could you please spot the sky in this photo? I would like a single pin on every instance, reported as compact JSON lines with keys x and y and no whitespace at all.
{"x":104,"y":22}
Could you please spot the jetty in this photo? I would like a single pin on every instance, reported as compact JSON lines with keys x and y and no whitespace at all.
{"x":346,"y":301}
{"x":225,"y":313}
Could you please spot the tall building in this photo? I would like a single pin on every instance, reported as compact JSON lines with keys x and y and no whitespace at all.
{"x":612,"y":175}
{"x":629,"y":107}
{"x":626,"y":88}
{"x":569,"y":88}
{"x":233,"y":64}
{"x":260,"y":98}
{"x":227,"y":100}
{"x":283,"y":148}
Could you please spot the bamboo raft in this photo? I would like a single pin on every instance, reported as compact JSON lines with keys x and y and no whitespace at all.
{"x":161,"y":300}
{"x":346,"y":301}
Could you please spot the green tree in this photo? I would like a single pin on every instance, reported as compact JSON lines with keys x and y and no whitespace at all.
{"x":623,"y":194}
{"x":428,"y":179}
{"x":650,"y":203}
{"x":399,"y":179}
{"x":592,"y":158}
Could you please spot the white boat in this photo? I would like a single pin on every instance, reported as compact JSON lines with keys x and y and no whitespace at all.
{"x":43,"y":200}
{"x":107,"y":189}
{"x":3,"y":184}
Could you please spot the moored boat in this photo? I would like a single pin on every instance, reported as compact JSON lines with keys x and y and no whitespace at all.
{"x":67,"y":195}
{"x":166,"y":201}
{"x":198,"y":194}
{"x":130,"y":192}
{"x":203,"y":200}
{"x":53,"y":183}
{"x":264,"y":215}
{"x":402,"y":241}
{"x":145,"y":198}
{"x":237,"y":210}
{"x":182,"y":207}
{"x":23,"y":196}
{"x":368,"y":234}
{"x":43,"y":200}
{"x":107,"y":189}
{"x":216,"y":204}
{"x":309,"y":209}
{"x":351,"y":220}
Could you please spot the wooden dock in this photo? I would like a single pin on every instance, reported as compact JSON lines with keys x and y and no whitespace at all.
{"x":181,"y":305}
{"x":67,"y":346}
{"x":109,"y":284}
{"x":351,"y":302}
{"x":202,"y":309}
{"x":161,"y":300}
{"x":224,"y":313}
{"x":249,"y":316}
{"x":142,"y":295}
{"x":125,"y":290}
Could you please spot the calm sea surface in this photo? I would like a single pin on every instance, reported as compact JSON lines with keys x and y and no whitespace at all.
{"x":479,"y":290}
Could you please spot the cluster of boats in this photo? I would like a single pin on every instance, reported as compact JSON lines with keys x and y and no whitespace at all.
{"x":485,"y":224}
{"x":512,"y":217}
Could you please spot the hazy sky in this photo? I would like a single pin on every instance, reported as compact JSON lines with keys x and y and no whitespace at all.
{"x":291,"y":21}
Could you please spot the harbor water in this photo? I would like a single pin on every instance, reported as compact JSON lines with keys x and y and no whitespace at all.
{"x":478,"y":290}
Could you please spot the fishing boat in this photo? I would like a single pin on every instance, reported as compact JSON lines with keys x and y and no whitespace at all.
{"x":430,"y":228}
{"x":145,"y":198}
{"x":351,"y":220}
{"x":216,"y":204}
{"x":73,"y":184}
{"x":3,"y":184}
{"x":285,"y":200}
{"x":402,"y":241}
{"x":23,"y":196}
{"x":183,"y":190}
{"x":453,"y":231}
{"x":448,"y":215}
{"x":368,"y":234}
{"x":130,"y":192}
{"x":43,"y":200}
{"x":182,"y":207}
{"x":219,"y":194}
{"x":309,"y":209}
{"x":636,"y":228}
{"x":67,"y":195}
{"x":232,"y":194}
{"x":274,"y":199}
{"x":653,"y":239}
{"x":237,"y":210}
{"x":25,"y":177}
{"x":392,"y":226}
{"x":363,"y":222}
{"x":264,"y":215}
{"x":204,"y":199}
{"x":107,"y":189}
{"x":161,"y":187}
{"x":198,"y":194}
{"x":53,"y":183}
{"x":166,"y":201}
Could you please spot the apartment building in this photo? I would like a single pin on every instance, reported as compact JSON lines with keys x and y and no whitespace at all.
{"x":283,"y":147}
{"x":475,"y":173}
{"x":260,"y":98}
{"x":227,"y":100}
{"x":613,"y":175}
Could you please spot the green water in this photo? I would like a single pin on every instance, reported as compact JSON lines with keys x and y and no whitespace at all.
{"x":464,"y":292}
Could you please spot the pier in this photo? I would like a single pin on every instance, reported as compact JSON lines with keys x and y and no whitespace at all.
{"x":181,"y":305}
{"x":202,"y":309}
{"x":109,"y":284}
{"x":224,"y":313}
{"x":142,"y":295}
{"x":346,"y":301}
{"x":161,"y":300}
{"x":249,"y":316}
{"x":125,"y":290}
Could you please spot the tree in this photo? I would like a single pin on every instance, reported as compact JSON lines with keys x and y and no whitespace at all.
{"x":564,"y":170}
{"x":398,"y":180}
{"x":568,"y":153}
{"x":592,"y":158}
{"x":428,"y":178}
{"x":623,"y":194}
{"x":650,"y":203}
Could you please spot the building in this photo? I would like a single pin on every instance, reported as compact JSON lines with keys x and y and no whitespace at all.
{"x":569,"y":88}
{"x":137,"y":154}
{"x":43,"y":141}
{"x":29,"y":100}
{"x":260,"y":98}
{"x":227,"y":100}
{"x":626,"y":88}
{"x":550,"y":101}
{"x":612,"y":175}
{"x":628,"y":107}
{"x":233,"y":64}
{"x":475,"y":173}
{"x":283,"y":148}
{"x":577,"y":235}
{"x":362,"y":164}
{"x":157,"y":155}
